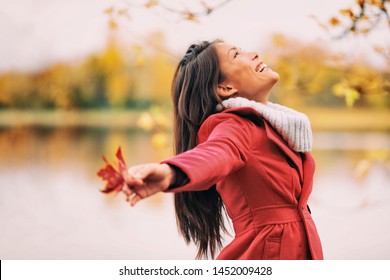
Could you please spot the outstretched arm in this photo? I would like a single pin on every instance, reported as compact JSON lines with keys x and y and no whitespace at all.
{"x":227,"y":148}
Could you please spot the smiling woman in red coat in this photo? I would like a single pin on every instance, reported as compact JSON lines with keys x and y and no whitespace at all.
{"x":238,"y":152}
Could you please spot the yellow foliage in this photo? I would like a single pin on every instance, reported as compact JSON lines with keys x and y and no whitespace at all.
{"x":112,"y":24}
{"x":376,"y":2}
{"x":360,"y":2}
{"x":117,"y":87}
{"x":161,"y":118}
{"x":379,"y":155}
{"x":138,"y":52}
{"x":160,"y":140}
{"x":279,"y":40}
{"x":109,"y":11}
{"x":146,"y":121}
{"x":13,"y":85}
{"x":334,"y":21}
{"x":190,"y":16}
{"x":108,"y":78}
{"x":111,"y":59}
{"x":151,"y":3}
{"x":347,"y":12}
{"x":156,"y":77}
{"x":344,"y":90}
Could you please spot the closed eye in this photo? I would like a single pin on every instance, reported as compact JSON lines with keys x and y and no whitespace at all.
{"x":237,"y":53}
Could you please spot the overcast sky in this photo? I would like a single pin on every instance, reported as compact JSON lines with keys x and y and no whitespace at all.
{"x":35,"y":33}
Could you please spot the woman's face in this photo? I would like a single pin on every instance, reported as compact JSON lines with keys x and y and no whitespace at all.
{"x":246,"y":74}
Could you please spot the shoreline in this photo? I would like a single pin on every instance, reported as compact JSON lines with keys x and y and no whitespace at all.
{"x":322,"y":119}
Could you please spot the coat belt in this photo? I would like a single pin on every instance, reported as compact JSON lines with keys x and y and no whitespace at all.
{"x":262,"y":216}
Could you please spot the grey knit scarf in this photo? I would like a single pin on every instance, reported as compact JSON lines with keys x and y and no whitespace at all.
{"x":293,"y":126}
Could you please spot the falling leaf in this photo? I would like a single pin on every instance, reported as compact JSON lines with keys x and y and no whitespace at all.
{"x":111,"y":175}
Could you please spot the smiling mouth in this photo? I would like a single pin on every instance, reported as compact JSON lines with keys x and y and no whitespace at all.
{"x":261,"y":67}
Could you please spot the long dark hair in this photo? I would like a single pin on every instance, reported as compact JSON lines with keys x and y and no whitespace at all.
{"x":199,"y":214}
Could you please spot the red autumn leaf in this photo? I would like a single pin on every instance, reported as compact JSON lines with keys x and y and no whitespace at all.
{"x":111,"y":175}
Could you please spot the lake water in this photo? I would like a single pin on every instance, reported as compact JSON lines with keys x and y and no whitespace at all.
{"x":51,"y":207}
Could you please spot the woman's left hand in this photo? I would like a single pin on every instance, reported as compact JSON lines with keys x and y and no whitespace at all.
{"x":144,"y":180}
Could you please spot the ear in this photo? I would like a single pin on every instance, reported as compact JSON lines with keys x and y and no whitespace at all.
{"x":226,"y":90}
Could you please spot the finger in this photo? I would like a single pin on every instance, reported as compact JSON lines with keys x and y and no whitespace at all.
{"x":126,"y":190}
{"x":135,"y":199}
{"x":130,"y":181}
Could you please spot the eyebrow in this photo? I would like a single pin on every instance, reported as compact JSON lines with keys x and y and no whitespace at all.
{"x":231,"y":49}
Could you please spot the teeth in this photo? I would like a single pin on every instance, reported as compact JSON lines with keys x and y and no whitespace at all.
{"x":261,"y":69}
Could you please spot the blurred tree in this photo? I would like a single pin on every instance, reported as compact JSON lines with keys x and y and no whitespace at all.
{"x":360,"y":18}
{"x":314,"y":72}
{"x":15,"y":90}
{"x":118,"y":79}
{"x":52,"y":87}
{"x":360,"y":84}
{"x":155,"y":75}
{"x":187,"y":10}
{"x":363,"y":17}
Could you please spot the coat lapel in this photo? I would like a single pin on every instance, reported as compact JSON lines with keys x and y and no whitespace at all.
{"x":278,"y":141}
{"x":255,"y":116}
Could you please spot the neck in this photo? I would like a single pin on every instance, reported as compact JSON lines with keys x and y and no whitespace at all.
{"x":261,"y":97}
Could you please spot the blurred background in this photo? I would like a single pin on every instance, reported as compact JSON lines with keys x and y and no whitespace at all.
{"x":80,"y":78}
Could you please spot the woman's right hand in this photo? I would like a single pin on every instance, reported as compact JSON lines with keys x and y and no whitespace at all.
{"x":143,"y":180}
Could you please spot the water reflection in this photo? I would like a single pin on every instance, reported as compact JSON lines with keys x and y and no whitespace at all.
{"x":50,"y":206}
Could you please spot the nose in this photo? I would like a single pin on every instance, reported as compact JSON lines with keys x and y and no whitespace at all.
{"x":253,"y":55}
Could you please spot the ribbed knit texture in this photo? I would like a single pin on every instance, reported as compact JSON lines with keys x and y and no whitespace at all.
{"x":293,"y":126}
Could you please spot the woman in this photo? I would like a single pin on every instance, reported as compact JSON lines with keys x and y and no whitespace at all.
{"x":234,"y":150}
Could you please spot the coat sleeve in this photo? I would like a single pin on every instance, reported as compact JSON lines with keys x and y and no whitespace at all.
{"x":225,"y":147}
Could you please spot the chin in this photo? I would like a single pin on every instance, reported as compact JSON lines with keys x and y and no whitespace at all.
{"x":275,"y":76}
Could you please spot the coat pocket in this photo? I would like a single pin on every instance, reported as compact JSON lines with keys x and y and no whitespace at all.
{"x":272,"y":248}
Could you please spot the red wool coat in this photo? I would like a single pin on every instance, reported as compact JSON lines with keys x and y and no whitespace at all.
{"x":264,"y":185}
